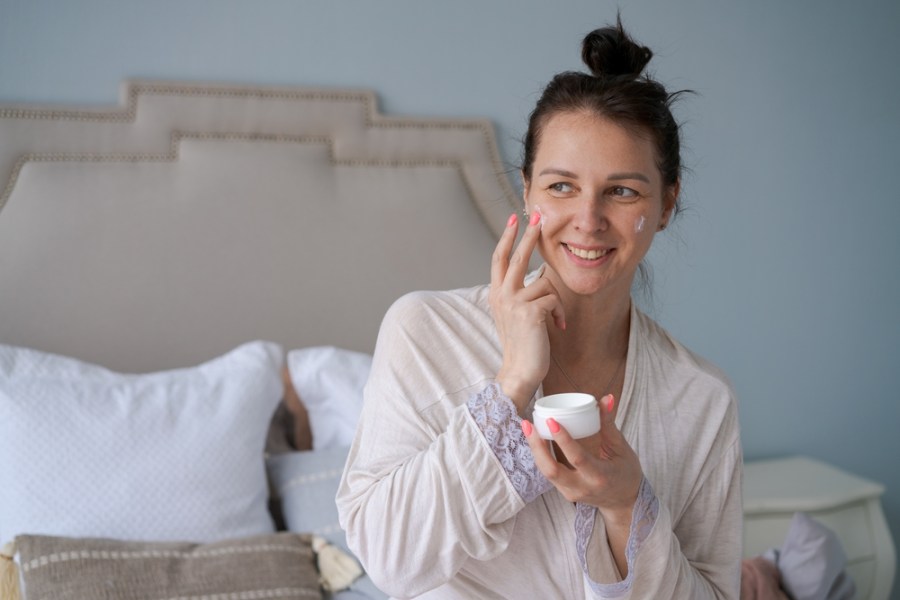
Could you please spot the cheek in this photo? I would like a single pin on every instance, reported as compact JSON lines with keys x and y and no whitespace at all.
{"x":644,"y":225}
{"x":550,"y":216}
{"x":644,"y":230}
{"x":639,"y":223}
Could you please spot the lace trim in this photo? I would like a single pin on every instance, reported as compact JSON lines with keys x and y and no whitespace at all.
{"x":496,"y":417}
{"x":643,"y":518}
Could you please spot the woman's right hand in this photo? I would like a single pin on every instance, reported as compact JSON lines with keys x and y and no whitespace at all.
{"x":522,"y":314}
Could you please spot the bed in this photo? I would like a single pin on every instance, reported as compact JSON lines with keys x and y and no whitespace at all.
{"x":192,"y":237}
{"x":188,"y":253}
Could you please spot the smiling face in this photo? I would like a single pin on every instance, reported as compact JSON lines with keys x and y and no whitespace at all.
{"x":601,"y":196}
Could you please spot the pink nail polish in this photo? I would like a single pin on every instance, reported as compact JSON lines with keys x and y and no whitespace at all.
{"x":526,"y":428}
{"x":535,"y":218}
{"x":552,"y":425}
{"x":512,"y":220}
{"x":610,"y":402}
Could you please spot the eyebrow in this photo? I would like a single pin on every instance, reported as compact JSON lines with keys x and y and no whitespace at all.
{"x":554,"y":171}
{"x":635,"y":175}
{"x":613,"y":177}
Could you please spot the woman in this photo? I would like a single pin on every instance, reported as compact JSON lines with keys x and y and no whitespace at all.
{"x":449,"y":492}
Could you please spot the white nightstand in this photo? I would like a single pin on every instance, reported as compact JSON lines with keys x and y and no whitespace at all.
{"x":850,"y":505}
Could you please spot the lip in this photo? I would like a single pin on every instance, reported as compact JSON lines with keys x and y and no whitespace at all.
{"x":587,"y":262}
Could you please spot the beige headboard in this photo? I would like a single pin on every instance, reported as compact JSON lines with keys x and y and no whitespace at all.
{"x":195,"y":217}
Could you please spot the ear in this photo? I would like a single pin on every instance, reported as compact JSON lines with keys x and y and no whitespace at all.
{"x":669,"y":201}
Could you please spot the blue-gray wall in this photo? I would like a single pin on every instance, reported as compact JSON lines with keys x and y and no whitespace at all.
{"x":785,"y":267}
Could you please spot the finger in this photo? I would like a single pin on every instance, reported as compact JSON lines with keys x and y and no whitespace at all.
{"x":552,"y":306}
{"x":500,"y":258}
{"x":534,"y":311}
{"x":609,"y":408}
{"x":540,"y":449}
{"x":559,"y":313}
{"x":575,"y":454}
{"x":537,"y":289}
{"x":518,"y":263}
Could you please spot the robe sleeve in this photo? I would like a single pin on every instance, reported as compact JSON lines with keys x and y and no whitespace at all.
{"x":496,"y":417}
{"x":420,"y":496}
{"x":659,"y":566}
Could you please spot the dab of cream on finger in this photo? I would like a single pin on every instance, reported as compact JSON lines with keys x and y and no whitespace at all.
{"x":639,"y":224}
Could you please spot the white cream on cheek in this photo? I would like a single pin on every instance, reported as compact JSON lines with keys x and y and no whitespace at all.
{"x":540,"y":213}
{"x":639,"y":224}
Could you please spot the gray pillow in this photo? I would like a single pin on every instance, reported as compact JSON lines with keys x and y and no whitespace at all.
{"x":306,"y":483}
{"x":813,"y":563}
{"x":279,"y":565}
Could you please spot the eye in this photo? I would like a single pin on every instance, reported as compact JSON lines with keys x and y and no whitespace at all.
{"x":620,"y":192}
{"x":561,"y":187}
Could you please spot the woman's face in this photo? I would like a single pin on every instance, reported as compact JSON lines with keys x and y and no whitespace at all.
{"x":601,"y":198}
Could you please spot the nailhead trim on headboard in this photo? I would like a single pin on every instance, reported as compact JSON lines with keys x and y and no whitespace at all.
{"x":135,"y":90}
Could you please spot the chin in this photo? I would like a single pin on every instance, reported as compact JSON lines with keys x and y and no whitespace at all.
{"x":587,"y":290}
{"x":584,"y":286}
{"x":591,"y":284}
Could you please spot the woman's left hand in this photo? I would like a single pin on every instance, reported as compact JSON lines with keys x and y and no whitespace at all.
{"x":601,"y":470}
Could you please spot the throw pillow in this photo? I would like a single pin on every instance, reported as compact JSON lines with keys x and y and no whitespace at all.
{"x":172,"y":455}
{"x":330,"y":383}
{"x":278,"y":565}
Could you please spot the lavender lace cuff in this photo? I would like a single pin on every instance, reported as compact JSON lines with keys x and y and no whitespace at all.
{"x":496,"y":417}
{"x":643,"y":517}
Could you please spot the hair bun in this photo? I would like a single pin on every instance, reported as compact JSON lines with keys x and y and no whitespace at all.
{"x":610,"y":52}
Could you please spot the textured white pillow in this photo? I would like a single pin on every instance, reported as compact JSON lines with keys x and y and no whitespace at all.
{"x":330,"y":384}
{"x":173,"y":455}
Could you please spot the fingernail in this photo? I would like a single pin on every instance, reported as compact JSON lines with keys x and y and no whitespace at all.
{"x":512,"y":220}
{"x":535,"y":218}
{"x":552,"y":425}
{"x":610,"y":402}
{"x":526,"y":428}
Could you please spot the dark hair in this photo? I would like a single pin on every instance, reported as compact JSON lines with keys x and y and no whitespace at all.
{"x":615,"y":89}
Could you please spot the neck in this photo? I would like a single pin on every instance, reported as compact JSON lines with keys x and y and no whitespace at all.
{"x":596,"y":329}
{"x":589,"y":358}
{"x":586,"y":341}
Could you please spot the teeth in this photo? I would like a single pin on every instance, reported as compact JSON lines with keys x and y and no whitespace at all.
{"x":588,"y":254}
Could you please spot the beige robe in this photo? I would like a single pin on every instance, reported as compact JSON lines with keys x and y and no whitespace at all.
{"x":431,"y":513}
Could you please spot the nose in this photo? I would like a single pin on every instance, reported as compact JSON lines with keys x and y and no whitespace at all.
{"x":591,"y":215}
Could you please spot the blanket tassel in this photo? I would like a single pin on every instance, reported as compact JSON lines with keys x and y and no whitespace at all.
{"x":337,"y":570}
{"x":9,"y":575}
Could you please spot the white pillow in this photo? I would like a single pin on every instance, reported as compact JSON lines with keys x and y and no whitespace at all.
{"x":330,"y":384}
{"x":173,"y":455}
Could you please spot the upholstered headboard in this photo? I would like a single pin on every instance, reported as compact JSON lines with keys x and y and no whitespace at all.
{"x":195,"y":217}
